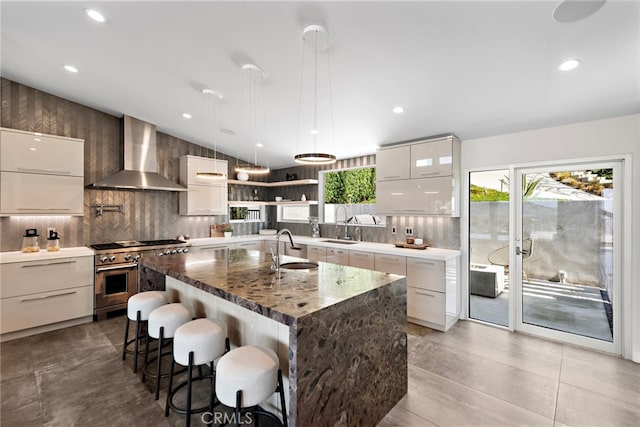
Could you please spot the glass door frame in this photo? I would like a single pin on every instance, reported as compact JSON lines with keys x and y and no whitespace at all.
{"x":515,"y":274}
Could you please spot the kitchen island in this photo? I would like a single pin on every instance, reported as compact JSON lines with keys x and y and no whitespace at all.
{"x":339,"y":331}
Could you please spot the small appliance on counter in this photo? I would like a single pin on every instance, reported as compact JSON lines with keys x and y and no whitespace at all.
{"x":53,"y":241}
{"x":30,"y":240}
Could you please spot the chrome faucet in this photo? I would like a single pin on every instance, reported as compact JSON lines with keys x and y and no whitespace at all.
{"x":346,"y":232}
{"x":276,"y":258}
{"x":358,"y":233}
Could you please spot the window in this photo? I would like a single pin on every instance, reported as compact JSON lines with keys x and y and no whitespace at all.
{"x":349,"y":194}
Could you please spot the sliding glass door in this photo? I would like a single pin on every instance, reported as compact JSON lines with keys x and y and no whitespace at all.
{"x":567,"y":234}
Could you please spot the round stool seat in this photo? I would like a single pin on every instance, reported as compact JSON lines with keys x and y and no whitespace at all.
{"x":170,"y":317}
{"x":204,"y":337}
{"x":254,"y":370}
{"x":145,"y":303}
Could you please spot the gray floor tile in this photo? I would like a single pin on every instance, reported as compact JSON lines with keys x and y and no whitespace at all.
{"x":18,"y":392}
{"x":578,"y":407}
{"x":530,"y":391}
{"x":401,"y":417}
{"x":28,"y":415}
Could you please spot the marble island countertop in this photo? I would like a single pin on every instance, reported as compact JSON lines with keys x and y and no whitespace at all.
{"x":245,"y":278}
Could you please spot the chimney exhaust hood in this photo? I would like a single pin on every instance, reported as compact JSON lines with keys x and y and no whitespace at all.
{"x":140,"y":161}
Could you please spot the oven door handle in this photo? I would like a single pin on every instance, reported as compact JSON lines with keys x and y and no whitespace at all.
{"x":116,"y":267}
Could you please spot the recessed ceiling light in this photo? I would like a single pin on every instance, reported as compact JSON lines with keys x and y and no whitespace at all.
{"x":259,"y":145}
{"x":95,"y":15}
{"x":569,"y":64}
{"x":186,"y":115}
{"x":227,"y":131}
{"x":398,"y":110}
{"x":71,"y":68}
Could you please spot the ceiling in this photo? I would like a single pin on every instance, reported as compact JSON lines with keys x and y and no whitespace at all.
{"x":474,"y":69}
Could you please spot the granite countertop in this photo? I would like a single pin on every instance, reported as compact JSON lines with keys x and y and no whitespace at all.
{"x":18,"y":256}
{"x":381,"y":248}
{"x":245,"y":278}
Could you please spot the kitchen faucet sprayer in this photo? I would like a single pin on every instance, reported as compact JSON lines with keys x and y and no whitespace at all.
{"x":276,"y":258}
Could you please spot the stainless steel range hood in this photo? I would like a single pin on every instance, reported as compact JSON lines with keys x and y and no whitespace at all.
{"x":140,"y":161}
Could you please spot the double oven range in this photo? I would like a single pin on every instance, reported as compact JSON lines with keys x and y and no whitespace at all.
{"x":116,"y":270}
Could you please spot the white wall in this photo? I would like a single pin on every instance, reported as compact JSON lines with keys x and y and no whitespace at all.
{"x":607,"y":137}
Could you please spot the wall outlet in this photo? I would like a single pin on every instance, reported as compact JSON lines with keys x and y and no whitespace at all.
{"x":393,"y":230}
{"x":408,"y":231}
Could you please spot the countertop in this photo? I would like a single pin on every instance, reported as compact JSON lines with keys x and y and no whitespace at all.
{"x":245,"y":278}
{"x":18,"y":256}
{"x":381,"y":248}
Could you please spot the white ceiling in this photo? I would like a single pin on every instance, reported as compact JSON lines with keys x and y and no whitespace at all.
{"x":474,"y":69}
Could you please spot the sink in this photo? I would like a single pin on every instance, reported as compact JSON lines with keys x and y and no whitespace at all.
{"x":299,"y":265}
{"x":342,"y":242}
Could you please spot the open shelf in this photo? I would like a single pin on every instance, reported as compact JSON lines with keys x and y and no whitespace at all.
{"x":284,"y":202}
{"x":274,"y":184}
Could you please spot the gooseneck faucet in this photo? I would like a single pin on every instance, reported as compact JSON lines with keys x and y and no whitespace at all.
{"x":346,"y":233}
{"x":276,"y":258}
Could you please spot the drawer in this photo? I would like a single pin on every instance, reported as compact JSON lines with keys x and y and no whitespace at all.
{"x":210,"y":248}
{"x":426,"y":305}
{"x":25,"y":278}
{"x":362,"y":259}
{"x":316,"y":253}
{"x":256,"y":245}
{"x":426,"y":274}
{"x":29,"y":311}
{"x":393,"y":264}
{"x":338,"y":256}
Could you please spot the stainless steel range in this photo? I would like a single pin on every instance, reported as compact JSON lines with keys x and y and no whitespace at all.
{"x":116,"y":270}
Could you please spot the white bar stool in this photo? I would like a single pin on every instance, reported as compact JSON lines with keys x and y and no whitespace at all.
{"x":139,"y":307}
{"x":196,"y":343}
{"x":162,"y":324}
{"x":247,"y":376}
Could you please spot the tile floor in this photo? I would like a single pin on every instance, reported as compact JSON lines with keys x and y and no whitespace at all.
{"x":473,"y":375}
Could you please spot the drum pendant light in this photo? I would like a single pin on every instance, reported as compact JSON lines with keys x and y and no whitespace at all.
{"x":211,"y":100}
{"x":316,"y":38}
{"x":252,"y":89}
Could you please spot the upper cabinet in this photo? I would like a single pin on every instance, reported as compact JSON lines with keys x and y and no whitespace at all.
{"x":419,"y":178}
{"x":206,"y":193}
{"x":40,"y":174}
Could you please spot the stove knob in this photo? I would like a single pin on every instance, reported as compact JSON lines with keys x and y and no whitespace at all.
{"x":136,"y":258}
{"x":159,"y":253}
{"x":185,"y":250}
{"x":103,"y":259}
{"x":128,"y":257}
{"x":112,"y":258}
{"x":174,"y":251}
{"x":167,"y":251}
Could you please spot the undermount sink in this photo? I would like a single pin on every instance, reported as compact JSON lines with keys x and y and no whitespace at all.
{"x":299,"y":265}
{"x":342,"y":242}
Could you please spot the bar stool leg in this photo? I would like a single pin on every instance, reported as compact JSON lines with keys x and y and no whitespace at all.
{"x":189,"y":385}
{"x":159,"y":363}
{"x":126,"y":338}
{"x":138,"y":326}
{"x":146,"y":357}
{"x":212,"y":397}
{"x":171,"y":370}
{"x":238,"y":405}
{"x":282,"y":401}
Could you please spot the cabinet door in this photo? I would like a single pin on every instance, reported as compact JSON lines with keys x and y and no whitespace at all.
{"x":392,"y":163}
{"x":390,"y":197}
{"x":362,"y":259}
{"x":204,"y":200}
{"x":431,"y":196}
{"x":317,"y":253}
{"x":37,"y":194}
{"x":30,"y":153}
{"x":29,"y":311}
{"x":432,"y":159}
{"x":31,"y":277}
{"x":271,"y":245}
{"x":338,"y":256}
{"x":190,"y":166}
{"x":255,"y":245}
{"x":426,"y":305}
{"x":426,"y":274}
{"x":393,"y":264}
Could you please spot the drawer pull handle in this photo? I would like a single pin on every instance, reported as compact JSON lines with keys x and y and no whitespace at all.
{"x":361,"y":255}
{"x":426,"y":295}
{"x":49,"y":171}
{"x":48,"y":296}
{"x":44,"y":209}
{"x":115,"y":267}
{"x":425,"y":263}
{"x":48,"y":264}
{"x":391,"y":176}
{"x":429,"y":173}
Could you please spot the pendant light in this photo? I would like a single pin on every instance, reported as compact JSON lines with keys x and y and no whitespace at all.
{"x":315,"y":37}
{"x":211,"y":100}
{"x":252,"y":89}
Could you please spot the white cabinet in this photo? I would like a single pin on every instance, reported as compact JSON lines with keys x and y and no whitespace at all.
{"x":432,"y":292}
{"x":394,"y":264}
{"x":205,"y":195}
{"x":212,"y":247}
{"x":253,"y":245}
{"x":44,"y":292}
{"x":393,"y":163}
{"x":337,"y":256}
{"x":431,"y":185}
{"x":316,"y":253}
{"x":362,"y":259}
{"x":40,"y":174}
